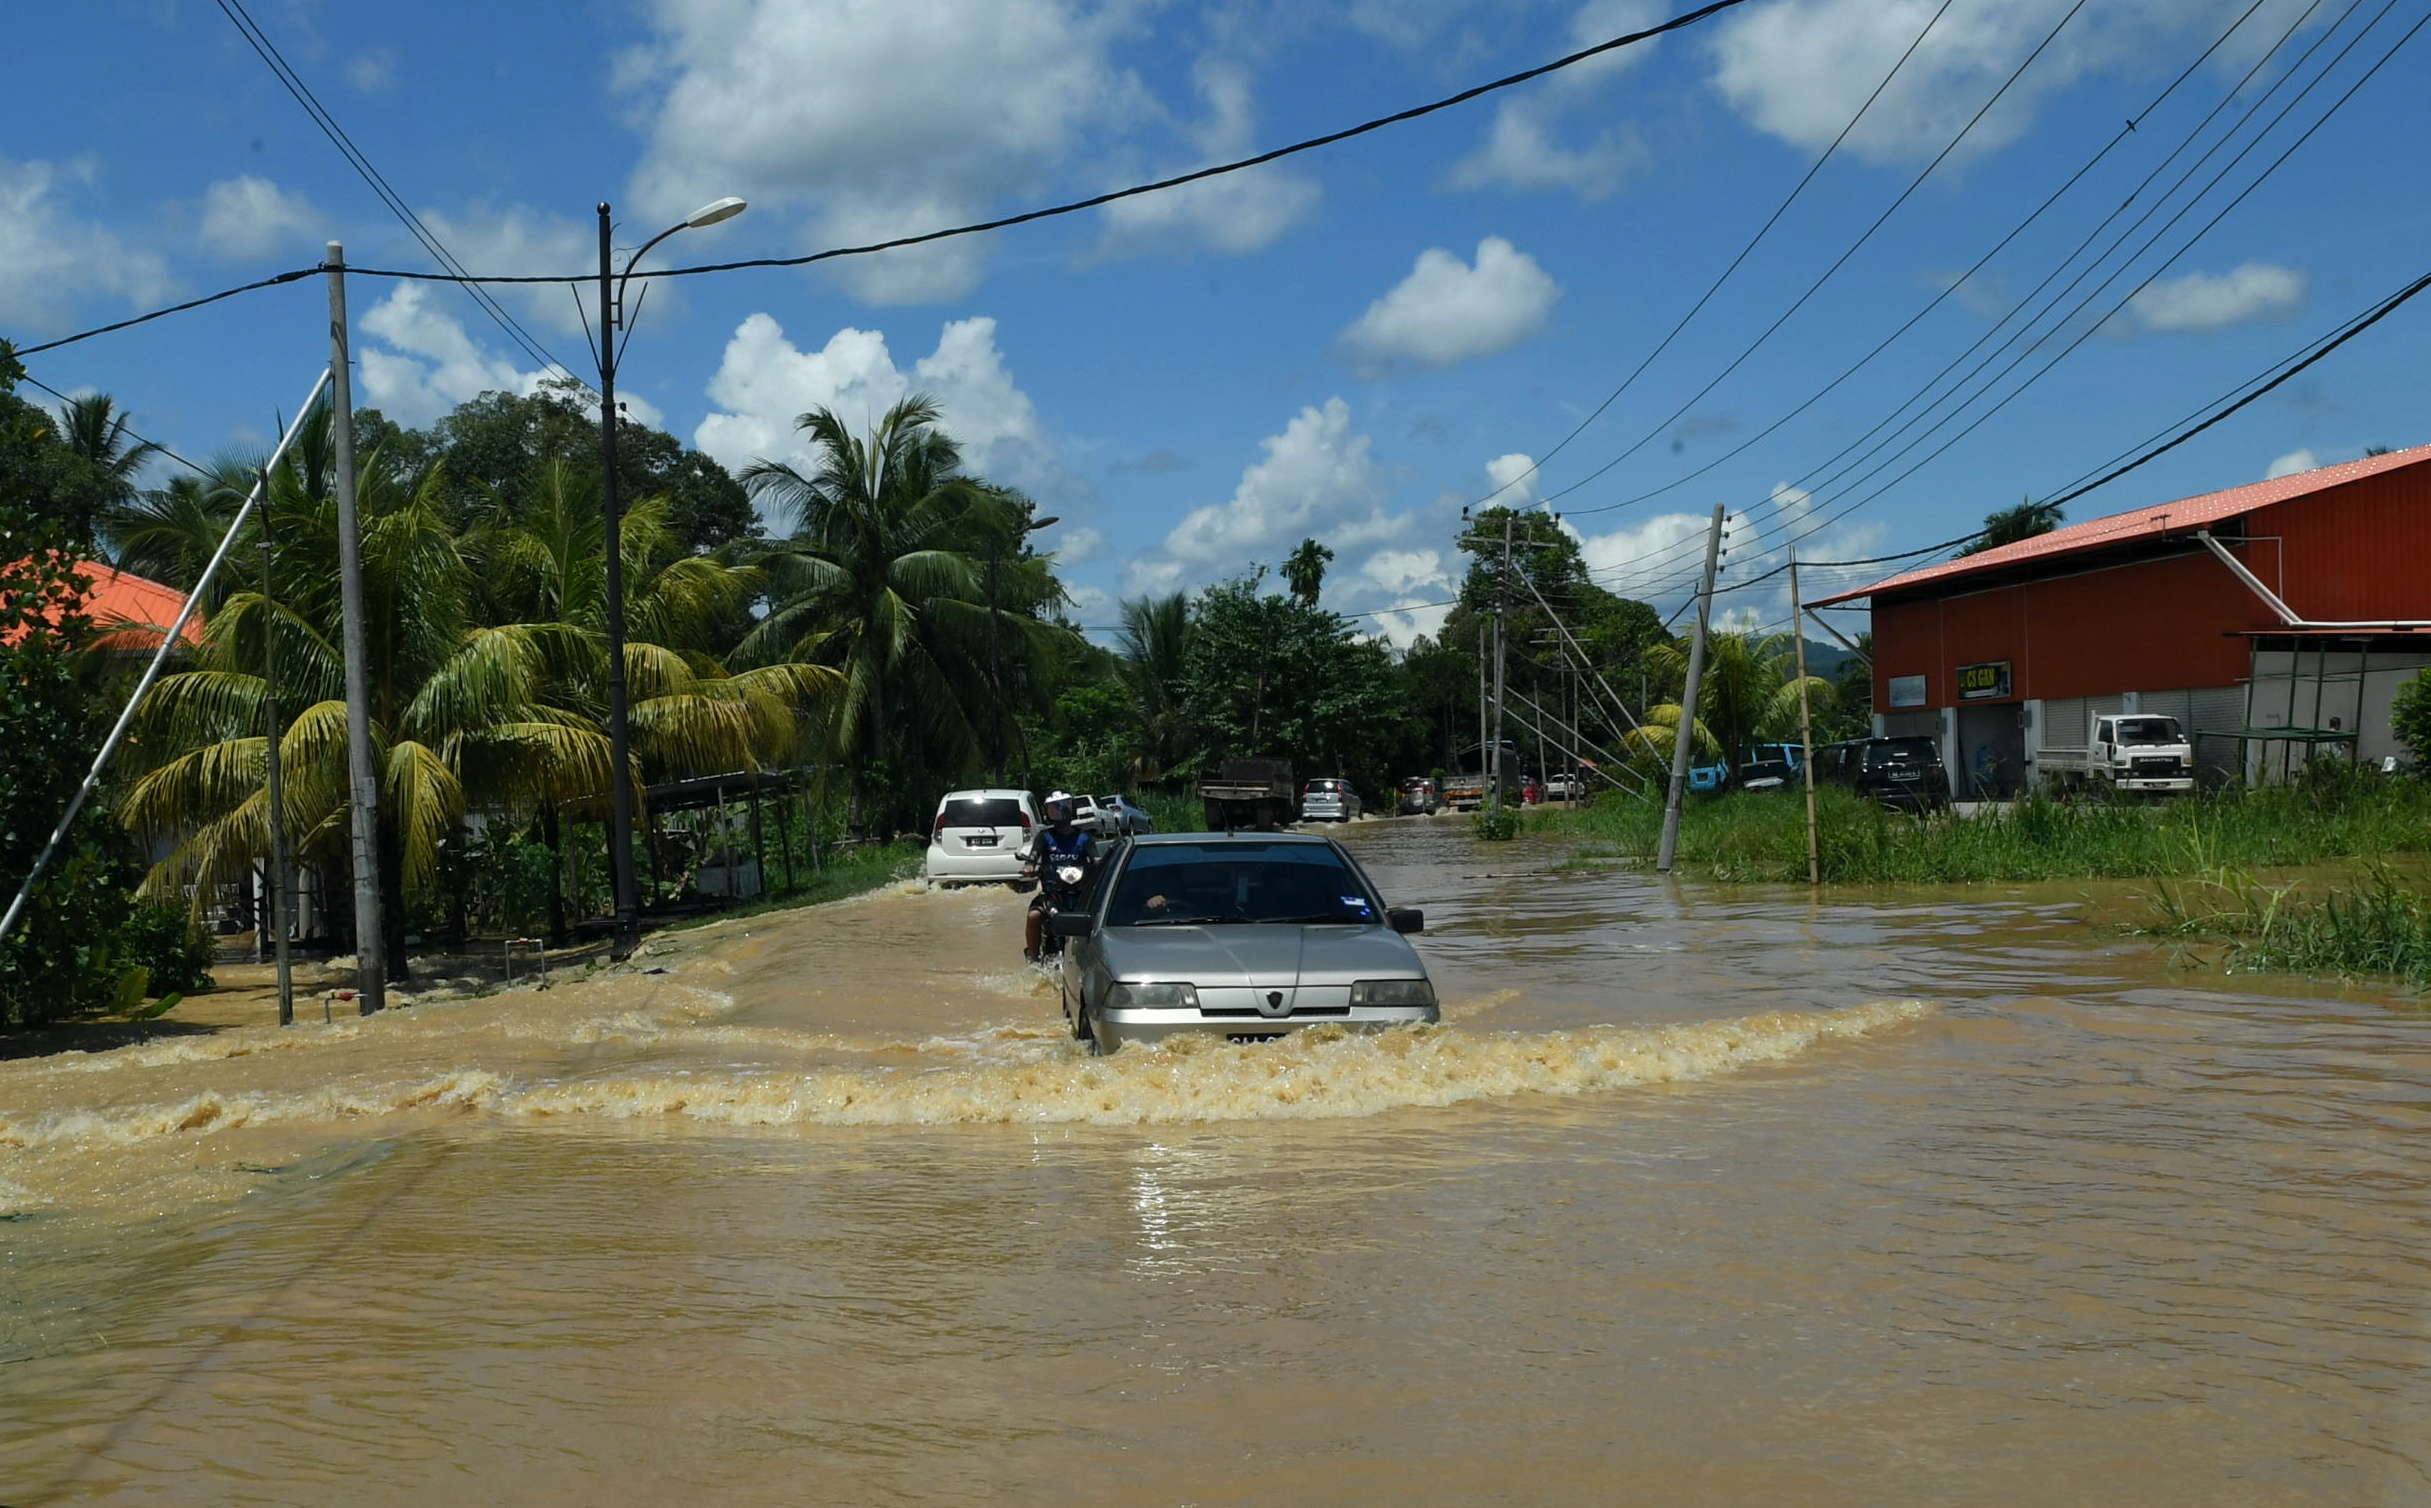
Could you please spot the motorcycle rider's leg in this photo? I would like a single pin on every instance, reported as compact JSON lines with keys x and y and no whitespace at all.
{"x":1032,"y":926}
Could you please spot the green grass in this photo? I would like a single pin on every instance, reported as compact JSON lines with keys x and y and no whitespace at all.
{"x":2382,"y":927}
{"x":853,"y":871}
{"x":2334,"y":814}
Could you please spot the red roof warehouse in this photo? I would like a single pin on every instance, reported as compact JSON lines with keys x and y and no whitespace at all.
{"x":2273,"y":620}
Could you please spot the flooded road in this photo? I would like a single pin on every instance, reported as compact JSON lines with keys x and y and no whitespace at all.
{"x":1698,"y":1195}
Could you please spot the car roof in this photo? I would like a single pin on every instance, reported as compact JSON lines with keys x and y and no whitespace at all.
{"x":999,"y":794}
{"x":1158,"y":840}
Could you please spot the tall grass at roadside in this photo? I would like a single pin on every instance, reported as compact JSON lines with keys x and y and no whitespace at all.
{"x":2334,"y":812}
{"x":2381,"y":927}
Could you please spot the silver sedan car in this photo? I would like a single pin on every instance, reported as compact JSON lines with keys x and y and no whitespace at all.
{"x":1250,"y":935}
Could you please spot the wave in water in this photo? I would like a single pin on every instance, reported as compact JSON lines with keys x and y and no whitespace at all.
{"x":1028,"y":1075}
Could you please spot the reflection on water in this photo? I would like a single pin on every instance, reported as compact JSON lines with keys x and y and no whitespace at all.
{"x":1691,"y":1197}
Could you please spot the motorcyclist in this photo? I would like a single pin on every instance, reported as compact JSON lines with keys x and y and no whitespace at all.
{"x":1060,"y":841}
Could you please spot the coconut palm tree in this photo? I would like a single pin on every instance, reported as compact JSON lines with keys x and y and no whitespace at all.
{"x":882,"y":580}
{"x":95,"y":427}
{"x":1153,"y":657}
{"x":468,"y":715}
{"x":1749,"y":692}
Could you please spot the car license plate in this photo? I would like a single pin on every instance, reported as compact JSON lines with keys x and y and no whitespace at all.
{"x":979,"y":840}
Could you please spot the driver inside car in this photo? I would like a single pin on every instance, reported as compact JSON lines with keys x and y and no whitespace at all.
{"x":1057,"y":842}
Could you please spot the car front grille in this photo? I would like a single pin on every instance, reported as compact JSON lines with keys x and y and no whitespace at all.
{"x":1252,"y":1013}
{"x":2159,"y":768}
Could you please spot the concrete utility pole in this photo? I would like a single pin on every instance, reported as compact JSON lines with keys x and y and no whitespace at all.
{"x":280,"y":908}
{"x":1688,"y":701}
{"x":1502,"y":609}
{"x":362,"y":775}
{"x":1806,"y":728}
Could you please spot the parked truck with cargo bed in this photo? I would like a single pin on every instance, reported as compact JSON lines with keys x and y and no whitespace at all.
{"x":2130,"y":751}
{"x":1256,"y":795}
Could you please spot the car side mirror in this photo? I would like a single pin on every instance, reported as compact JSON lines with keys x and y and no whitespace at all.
{"x":1071,"y":924}
{"x":1406,"y":919}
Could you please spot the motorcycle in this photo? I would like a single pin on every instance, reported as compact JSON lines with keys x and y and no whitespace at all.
{"x":1060,"y":889}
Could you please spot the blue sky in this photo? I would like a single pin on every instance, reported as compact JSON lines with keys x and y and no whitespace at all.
{"x":1349,"y":345}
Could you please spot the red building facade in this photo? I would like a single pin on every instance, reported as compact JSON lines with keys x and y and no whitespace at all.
{"x":2008,"y":652}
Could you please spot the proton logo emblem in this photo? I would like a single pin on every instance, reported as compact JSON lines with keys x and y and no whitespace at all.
{"x":1274,"y":997}
{"x":1274,"y":1004}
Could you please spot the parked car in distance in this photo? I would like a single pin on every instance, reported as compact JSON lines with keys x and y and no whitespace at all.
{"x":979,"y":836}
{"x":1709,"y":779}
{"x":1904,"y":774}
{"x":1326,"y":799}
{"x":1419,"y":798}
{"x":1770,"y":767}
{"x":1563,"y":787}
{"x":1117,"y":817}
{"x":1251,"y":935}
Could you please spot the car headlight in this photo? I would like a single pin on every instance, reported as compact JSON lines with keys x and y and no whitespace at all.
{"x":1403,"y":992}
{"x":1165,"y":996}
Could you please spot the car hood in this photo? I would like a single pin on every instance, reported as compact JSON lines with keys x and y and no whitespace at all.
{"x":1258,"y":955}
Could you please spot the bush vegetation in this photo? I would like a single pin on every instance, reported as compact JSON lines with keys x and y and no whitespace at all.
{"x":2335,"y":811}
{"x":2381,"y":927}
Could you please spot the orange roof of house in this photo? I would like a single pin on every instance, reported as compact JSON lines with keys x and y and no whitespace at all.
{"x":2154,"y":522}
{"x":130,"y":612}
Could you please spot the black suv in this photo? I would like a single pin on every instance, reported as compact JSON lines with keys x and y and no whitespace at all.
{"x":1904,"y":774}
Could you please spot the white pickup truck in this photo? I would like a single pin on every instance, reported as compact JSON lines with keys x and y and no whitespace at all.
{"x":2131,"y":751}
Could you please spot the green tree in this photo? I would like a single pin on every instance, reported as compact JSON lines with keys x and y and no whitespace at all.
{"x":1154,"y":665}
{"x":69,"y":952}
{"x":1304,"y":570}
{"x":1273,"y":675}
{"x":2410,"y":716}
{"x":95,"y":428}
{"x":2007,"y":526}
{"x":1749,"y":693}
{"x":884,"y":579}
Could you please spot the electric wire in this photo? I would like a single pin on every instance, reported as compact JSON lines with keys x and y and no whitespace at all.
{"x":268,"y":52}
{"x":2132,"y":125}
{"x":2091,"y":328}
{"x":128,"y":430}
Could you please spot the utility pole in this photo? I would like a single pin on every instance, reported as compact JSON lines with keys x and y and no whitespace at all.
{"x":620,"y":757}
{"x":1670,"y":847}
{"x":1502,"y":609}
{"x":362,"y":776}
{"x":1806,"y":728}
{"x":273,"y":790}
{"x":1481,"y":702}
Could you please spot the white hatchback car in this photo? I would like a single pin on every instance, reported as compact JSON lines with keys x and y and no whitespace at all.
{"x":979,"y":837}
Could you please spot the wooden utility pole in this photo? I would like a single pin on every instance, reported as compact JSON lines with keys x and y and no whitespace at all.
{"x":1502,"y":609}
{"x":1681,"y":745}
{"x":273,"y":790}
{"x":1806,"y":727}
{"x":362,"y":776}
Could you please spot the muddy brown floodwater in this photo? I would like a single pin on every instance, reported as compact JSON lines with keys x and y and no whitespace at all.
{"x":1698,"y":1195}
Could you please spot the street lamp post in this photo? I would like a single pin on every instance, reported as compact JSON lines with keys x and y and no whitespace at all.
{"x":620,"y":791}
{"x":995,"y":662}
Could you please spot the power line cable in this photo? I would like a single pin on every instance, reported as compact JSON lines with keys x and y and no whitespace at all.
{"x":1841,"y":261}
{"x":286,"y":74}
{"x":1950,"y":289}
{"x":127,"y":429}
{"x":458,"y":275}
{"x":2096,"y":325}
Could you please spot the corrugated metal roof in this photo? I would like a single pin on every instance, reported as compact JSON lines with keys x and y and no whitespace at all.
{"x":130,"y":611}
{"x":2146,"y":523}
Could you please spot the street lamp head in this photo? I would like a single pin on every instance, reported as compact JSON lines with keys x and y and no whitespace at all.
{"x":714,"y":211}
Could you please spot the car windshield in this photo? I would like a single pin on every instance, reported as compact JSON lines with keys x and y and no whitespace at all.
{"x":1207,"y":884}
{"x":2148,"y":730}
{"x":981,"y":811}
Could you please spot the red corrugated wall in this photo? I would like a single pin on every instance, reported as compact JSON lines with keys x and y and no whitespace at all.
{"x":2361,"y":551}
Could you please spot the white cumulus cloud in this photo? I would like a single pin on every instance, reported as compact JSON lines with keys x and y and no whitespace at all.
{"x":764,"y":383}
{"x":425,"y":363}
{"x":2201,"y":301}
{"x":2291,"y":463}
{"x":1318,"y":478}
{"x":1799,"y":69}
{"x":1448,"y":311}
{"x":517,"y":241}
{"x":50,"y":259}
{"x":1233,"y":214}
{"x":1524,"y":147}
{"x":871,"y":118}
{"x":248,"y":217}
